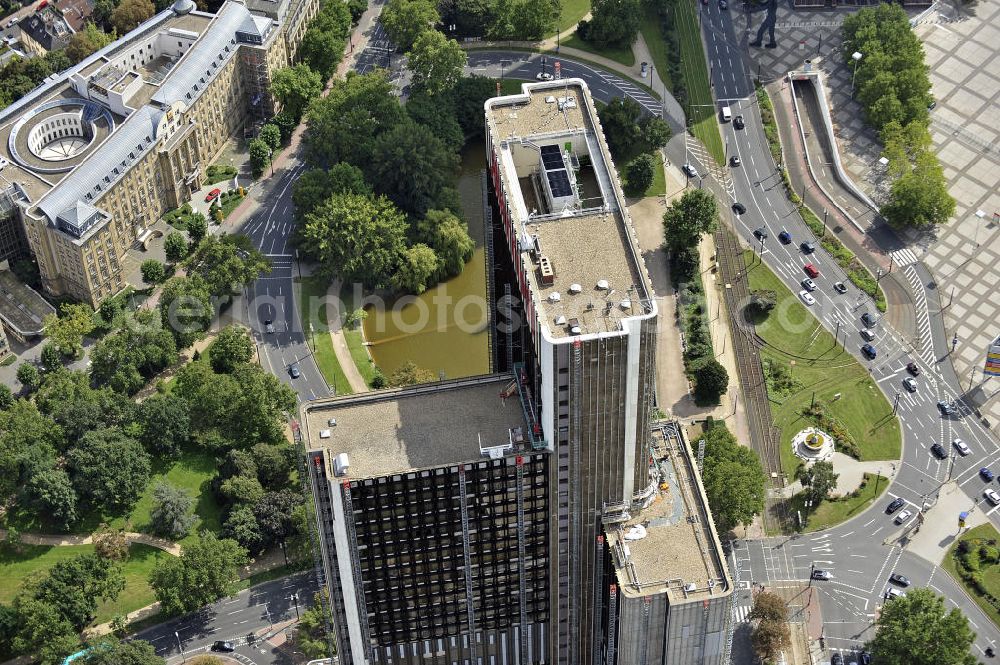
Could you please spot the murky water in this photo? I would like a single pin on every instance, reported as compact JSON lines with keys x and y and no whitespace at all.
{"x":444,"y":328}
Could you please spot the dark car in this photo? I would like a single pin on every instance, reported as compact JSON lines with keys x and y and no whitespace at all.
{"x":690,"y":171}
{"x":894,"y":505}
{"x":808,"y":247}
{"x":869,"y":319}
{"x":901,"y":580}
{"x":939,"y":451}
{"x":946,"y":408}
{"x":869,"y":351}
{"x":865,"y":658}
{"x":785,"y":237}
{"x":821,"y":574}
{"x":840,"y":287}
{"x":269,"y":327}
{"x":723,"y":4}
{"x":738,"y":122}
{"x":986,"y":474}
{"x":913,"y":369}
{"x":293,"y":369}
{"x":739,"y":208}
{"x":735,"y":160}
{"x":760,"y":232}
{"x":836,"y":659}
{"x":223,"y":646}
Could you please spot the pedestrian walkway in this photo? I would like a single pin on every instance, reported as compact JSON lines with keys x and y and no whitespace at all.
{"x":340,"y":348}
{"x":63,"y":540}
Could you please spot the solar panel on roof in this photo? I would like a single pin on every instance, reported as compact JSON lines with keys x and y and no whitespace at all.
{"x":559,"y":183}
{"x":550,"y":149}
{"x":552,"y":157}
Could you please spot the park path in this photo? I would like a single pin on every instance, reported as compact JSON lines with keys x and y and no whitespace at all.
{"x":340,"y":348}
{"x":62,"y":540}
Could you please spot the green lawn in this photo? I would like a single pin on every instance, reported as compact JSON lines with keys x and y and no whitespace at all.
{"x":833,"y":512}
{"x":990,"y":572}
{"x":219,"y":172}
{"x":702,"y":112}
{"x":16,"y":566}
{"x":659,"y":186}
{"x":570,"y":13}
{"x":312,"y":289}
{"x":621,"y":56}
{"x":650,"y":29}
{"x":355,"y":340}
{"x":798,"y":342}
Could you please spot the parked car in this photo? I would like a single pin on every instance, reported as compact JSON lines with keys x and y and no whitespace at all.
{"x":735,"y":160}
{"x":840,"y":287}
{"x":690,"y":171}
{"x":865,"y":658}
{"x":913,"y":369}
{"x":869,"y":319}
{"x":543,"y":76}
{"x":961,"y":446}
{"x":294,"y":370}
{"x":903,"y":516}
{"x":939,"y":451}
{"x":785,"y":237}
{"x":910,"y":384}
{"x":723,"y":4}
{"x":867,"y":335}
{"x":223,"y":646}
{"x":739,"y":208}
{"x":868,"y":351}
{"x":808,"y":247}
{"x":836,"y":659}
{"x":760,"y":232}
{"x":891,"y":593}
{"x":945,"y":407}
{"x":807,"y":298}
{"x":894,"y":505}
{"x":992,"y":496}
{"x":986,"y":474}
{"x":269,"y":327}
{"x":738,"y":122}
{"x":809,"y":284}
{"x":901,"y":580}
{"x":212,"y":195}
{"x":811,"y":270}
{"x":818,"y":574}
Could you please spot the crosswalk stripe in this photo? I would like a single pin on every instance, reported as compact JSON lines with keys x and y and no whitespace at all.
{"x":903,"y":257}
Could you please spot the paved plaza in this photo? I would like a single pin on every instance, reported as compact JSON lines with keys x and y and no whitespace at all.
{"x":964,"y":255}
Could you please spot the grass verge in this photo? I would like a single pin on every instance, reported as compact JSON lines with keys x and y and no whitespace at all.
{"x":622,"y":56}
{"x":356,"y":341}
{"x":311,"y":291}
{"x":819,"y":371}
{"x":982,"y":583}
{"x":570,"y":13}
{"x":17,"y":564}
{"x":659,"y":186}
{"x":650,"y":29}
{"x":834,"y":511}
{"x":701,"y":105}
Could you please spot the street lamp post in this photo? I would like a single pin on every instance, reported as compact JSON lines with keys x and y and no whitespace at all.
{"x":179,"y":647}
{"x":269,"y":621}
{"x":856,"y":56}
{"x":812,"y":567}
{"x":295,"y":600}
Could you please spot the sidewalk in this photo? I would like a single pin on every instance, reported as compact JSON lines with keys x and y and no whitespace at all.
{"x":340,"y":348}
{"x":63,"y":540}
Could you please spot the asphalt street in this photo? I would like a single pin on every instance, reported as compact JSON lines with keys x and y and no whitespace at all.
{"x":234,"y":619}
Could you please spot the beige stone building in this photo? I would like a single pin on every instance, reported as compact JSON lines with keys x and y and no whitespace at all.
{"x":96,"y":156}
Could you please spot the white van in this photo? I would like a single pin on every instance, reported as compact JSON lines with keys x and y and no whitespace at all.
{"x":727,"y":114}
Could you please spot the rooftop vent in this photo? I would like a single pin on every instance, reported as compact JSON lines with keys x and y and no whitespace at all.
{"x":690,"y":586}
{"x":548,"y":273}
{"x":550,"y":99}
{"x":575,"y":288}
{"x":554,"y":297}
{"x":560,"y":320}
{"x":603,"y":284}
{"x":574,"y":326}
{"x":324,"y":434}
{"x":341,"y":463}
{"x":625,"y":304}
{"x":332,"y":422}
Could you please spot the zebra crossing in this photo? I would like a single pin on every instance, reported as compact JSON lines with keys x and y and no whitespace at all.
{"x":923,"y":316}
{"x":644,"y":99}
{"x":740,"y":613}
{"x":903,"y":257}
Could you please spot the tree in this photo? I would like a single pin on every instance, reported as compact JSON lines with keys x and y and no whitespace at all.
{"x":87,"y":41}
{"x":311,"y":638}
{"x":125,"y":360}
{"x":67,"y":330}
{"x":467,"y":98}
{"x":112,"y":486}
{"x":449,"y":237}
{"x":711,"y":381}
{"x":416,"y":269}
{"x":51,"y":358}
{"x":130,"y":13}
{"x":343,"y":125}
{"x":315,"y":186}
{"x":102,"y":12}
{"x":613,"y":23}
{"x":687,"y":218}
{"x":763,"y":300}
{"x":29,"y":376}
{"x":408,"y":374}
{"x":357,"y":9}
{"x":242,"y":490}
{"x":918,"y":630}
{"x":42,"y":632}
{"x":274,"y":515}
{"x":197,"y":227}
{"x":153,"y":272}
{"x":630,"y":131}
{"x":735,"y":482}
{"x":111,"y":543}
{"x":639,"y":175}
{"x":436,"y":63}
{"x":769,"y":638}
{"x":295,"y":87}
{"x":322,"y":51}
{"x":769,"y":606}
{"x":186,"y":308}
{"x":271,"y":135}
{"x":260,"y":155}
{"x":74,"y":587}
{"x":273,"y":464}
{"x":109,"y":650}
{"x":359,"y":238}
{"x":206,"y":570}
{"x":175,"y":246}
{"x":172,"y":514}
{"x":437,"y":113}
{"x":232,"y":347}
{"x":226,"y":263}
{"x":25,"y":432}
{"x":920,"y":197}
{"x":6,"y":397}
{"x":405,"y":20}
{"x":818,"y":480}
{"x":241,"y":525}
{"x":414,"y":169}
{"x":51,"y":494}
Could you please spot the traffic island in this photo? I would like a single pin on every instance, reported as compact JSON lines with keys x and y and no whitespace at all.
{"x":812,"y":445}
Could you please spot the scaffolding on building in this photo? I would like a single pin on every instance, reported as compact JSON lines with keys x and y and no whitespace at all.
{"x":471,"y":609}
{"x":576,"y":379}
{"x":258,"y":88}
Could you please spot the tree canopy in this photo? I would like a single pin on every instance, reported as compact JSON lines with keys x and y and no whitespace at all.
{"x":406,"y":20}
{"x":108,"y":650}
{"x":231,"y":348}
{"x":87,"y":41}
{"x":172,"y":515}
{"x":639,"y":175}
{"x":67,"y":330}
{"x":114,"y":486}
{"x":734,"y":480}
{"x":687,"y":218}
{"x":436,"y":62}
{"x":818,"y":480}
{"x":919,"y":630}
{"x":415,"y":169}
{"x":130,"y":13}
{"x":613,"y":23}
{"x":631,"y":132}
{"x":206,"y":571}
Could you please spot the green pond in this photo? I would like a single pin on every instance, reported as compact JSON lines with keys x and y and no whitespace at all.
{"x":444,"y":329}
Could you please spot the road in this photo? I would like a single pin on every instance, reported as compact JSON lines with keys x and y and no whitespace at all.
{"x":233,"y":619}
